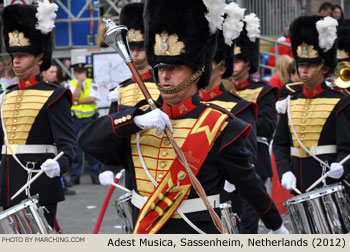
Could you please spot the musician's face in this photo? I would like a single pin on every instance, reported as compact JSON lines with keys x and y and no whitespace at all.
{"x":171,"y":76}
{"x":21,"y":60}
{"x":137,"y":54}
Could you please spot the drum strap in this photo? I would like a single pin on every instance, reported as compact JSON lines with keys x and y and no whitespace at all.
{"x":298,"y":139}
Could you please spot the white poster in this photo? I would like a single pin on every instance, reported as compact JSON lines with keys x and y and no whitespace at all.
{"x":109,"y":71}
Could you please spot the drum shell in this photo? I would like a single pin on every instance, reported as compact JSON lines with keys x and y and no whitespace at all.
{"x":229,"y":219}
{"x":25,"y":218}
{"x":322,"y":211}
{"x":124,"y":211}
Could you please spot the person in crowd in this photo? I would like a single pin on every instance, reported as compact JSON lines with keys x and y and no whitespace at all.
{"x":313,"y":135}
{"x":182,"y":64}
{"x":281,"y":76}
{"x":36,"y":114}
{"x":293,"y":82}
{"x":338,"y":14}
{"x":325,"y":9}
{"x":84,"y":109}
{"x":9,"y":77}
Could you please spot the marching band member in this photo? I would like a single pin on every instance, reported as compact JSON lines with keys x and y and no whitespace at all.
{"x":36,"y":116}
{"x":179,"y":46}
{"x":313,"y":131}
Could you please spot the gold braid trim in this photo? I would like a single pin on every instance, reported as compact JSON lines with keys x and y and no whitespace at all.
{"x":31,"y":64}
{"x":182,"y":85}
{"x":219,"y":65}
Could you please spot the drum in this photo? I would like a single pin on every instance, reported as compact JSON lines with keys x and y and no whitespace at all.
{"x":25,"y":218}
{"x":324,"y":210}
{"x":124,"y":211}
{"x":228,"y":218}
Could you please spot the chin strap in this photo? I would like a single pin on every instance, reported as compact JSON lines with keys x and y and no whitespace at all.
{"x":318,"y":69}
{"x":182,"y":85}
{"x":30,"y":65}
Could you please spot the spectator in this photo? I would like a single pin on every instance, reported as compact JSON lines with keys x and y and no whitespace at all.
{"x":280,"y":77}
{"x":338,"y":14}
{"x":325,"y":9}
{"x":2,"y":67}
{"x":293,"y":84}
{"x":282,"y":50}
{"x":9,"y":78}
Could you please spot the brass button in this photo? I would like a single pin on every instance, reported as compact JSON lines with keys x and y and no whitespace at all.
{"x":163,"y":165}
{"x":303,"y":129}
{"x":16,"y":113}
{"x":181,"y":175}
{"x":19,"y":99}
{"x":160,"y":176}
{"x":21,"y":91}
{"x":12,"y":142}
{"x":123,"y":119}
{"x":164,"y":153}
{"x":166,"y":142}
{"x":128,"y":117}
{"x":305,"y":114}
{"x":136,"y":97}
{"x":14,"y":128}
{"x":302,"y":136}
{"x":306,"y":107}
{"x":120,"y":120}
{"x":303,"y":121}
{"x":13,"y":135}
{"x":308,"y":101}
{"x":116,"y":121}
{"x":14,"y":121}
{"x":18,"y":106}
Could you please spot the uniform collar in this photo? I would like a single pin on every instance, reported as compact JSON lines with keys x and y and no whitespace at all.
{"x":212,"y":94}
{"x":145,"y":76}
{"x":314,"y":92}
{"x":181,"y":108}
{"x":243,"y":84}
{"x":28,"y":83}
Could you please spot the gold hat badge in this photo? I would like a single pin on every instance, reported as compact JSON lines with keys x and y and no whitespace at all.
{"x":342,"y":54}
{"x":135,"y":35}
{"x":17,"y":39}
{"x":306,"y":51}
{"x":237,"y":50}
{"x":168,"y":45}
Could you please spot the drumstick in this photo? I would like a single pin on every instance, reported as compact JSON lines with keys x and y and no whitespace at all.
{"x":295,"y":190}
{"x":326,"y":174}
{"x":34,"y":178}
{"x":120,"y":187}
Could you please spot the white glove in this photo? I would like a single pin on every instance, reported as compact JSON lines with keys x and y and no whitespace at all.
{"x":281,"y":230}
{"x":228,"y":187}
{"x":288,"y":180}
{"x":114,"y":95}
{"x":336,"y":171}
{"x":154,"y":119}
{"x":281,"y":106}
{"x":106,"y":178}
{"x":51,"y":168}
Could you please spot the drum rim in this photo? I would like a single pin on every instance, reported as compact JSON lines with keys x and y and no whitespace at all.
{"x":312,"y":194}
{"x":32,"y":201}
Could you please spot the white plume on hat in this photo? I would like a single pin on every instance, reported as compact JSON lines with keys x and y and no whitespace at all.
{"x":216,"y":9}
{"x":233,"y":24}
{"x":46,"y":16}
{"x":327,"y":32}
{"x":252,"y":26}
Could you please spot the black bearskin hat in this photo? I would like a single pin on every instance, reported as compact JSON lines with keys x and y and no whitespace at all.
{"x":22,"y":36}
{"x":177,"y":33}
{"x":344,"y":41}
{"x":306,"y":39}
{"x":131,"y":16}
{"x":246,"y":49}
{"x":224,"y":52}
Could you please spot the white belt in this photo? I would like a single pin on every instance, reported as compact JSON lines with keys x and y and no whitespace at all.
{"x":187,"y":206}
{"x":317,"y":150}
{"x":31,"y":149}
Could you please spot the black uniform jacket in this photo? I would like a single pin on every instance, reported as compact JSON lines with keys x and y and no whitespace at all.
{"x":320,"y":117}
{"x":243,"y":109}
{"x":37,"y":113}
{"x":111,"y":140}
{"x":265,"y":96}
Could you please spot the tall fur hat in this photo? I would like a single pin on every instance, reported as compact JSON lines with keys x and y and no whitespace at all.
{"x":177,"y":33}
{"x":27,"y":29}
{"x":224,"y":52}
{"x":131,"y":16}
{"x":247,"y":44}
{"x":313,"y":40}
{"x":343,"y":53}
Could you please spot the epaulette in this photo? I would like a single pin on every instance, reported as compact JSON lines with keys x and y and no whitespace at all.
{"x":290,"y":86}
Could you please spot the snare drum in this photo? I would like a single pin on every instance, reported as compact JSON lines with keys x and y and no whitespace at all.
{"x":124,"y":211}
{"x":228,"y":218}
{"x":325,"y":210}
{"x":25,"y":218}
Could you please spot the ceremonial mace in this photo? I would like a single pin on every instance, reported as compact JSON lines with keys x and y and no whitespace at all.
{"x":116,"y":37}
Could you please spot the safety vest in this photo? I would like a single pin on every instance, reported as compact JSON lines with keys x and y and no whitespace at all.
{"x":2,"y":87}
{"x":84,"y":110}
